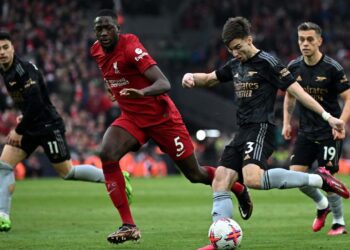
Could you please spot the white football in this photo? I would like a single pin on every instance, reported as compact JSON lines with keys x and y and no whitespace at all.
{"x":225,"y":233}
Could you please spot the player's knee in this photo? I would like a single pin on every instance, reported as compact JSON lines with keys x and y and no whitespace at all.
{"x":224,"y":177}
{"x":109,"y":155}
{"x":252,"y":181}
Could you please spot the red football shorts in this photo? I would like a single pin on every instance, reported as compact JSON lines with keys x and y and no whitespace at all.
{"x":171,"y":136}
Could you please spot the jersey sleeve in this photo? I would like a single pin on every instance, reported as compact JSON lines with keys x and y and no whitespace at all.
{"x":224,"y":74}
{"x":341,"y":80}
{"x":138,"y":55}
{"x":32,"y":96}
{"x":278,"y":75}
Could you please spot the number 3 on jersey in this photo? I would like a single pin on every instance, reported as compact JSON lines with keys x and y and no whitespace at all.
{"x":180,"y":149}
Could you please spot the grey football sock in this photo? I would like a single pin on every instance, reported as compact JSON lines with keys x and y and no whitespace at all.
{"x":336,"y":204}
{"x":316,"y":195}
{"x":85,"y":173}
{"x":282,"y":178}
{"x":7,"y":178}
{"x":222,"y":205}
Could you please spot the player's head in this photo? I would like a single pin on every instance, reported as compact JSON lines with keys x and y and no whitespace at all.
{"x":106,"y":29}
{"x":237,"y":37}
{"x":6,"y":50}
{"x":309,"y":38}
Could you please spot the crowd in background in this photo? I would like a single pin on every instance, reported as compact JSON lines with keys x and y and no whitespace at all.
{"x":57,"y":35}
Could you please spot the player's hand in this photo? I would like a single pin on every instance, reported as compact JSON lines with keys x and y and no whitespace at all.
{"x":338,"y":135}
{"x":14,"y":139}
{"x":19,"y":118}
{"x":132,"y":93}
{"x":337,"y":124}
{"x":287,"y":132}
{"x":188,"y":81}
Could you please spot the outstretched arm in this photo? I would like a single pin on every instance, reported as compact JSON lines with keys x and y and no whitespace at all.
{"x":305,"y":99}
{"x":288,"y":108}
{"x":200,"y":80}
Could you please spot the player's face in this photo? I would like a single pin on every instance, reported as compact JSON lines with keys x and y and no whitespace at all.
{"x":309,"y":42}
{"x":6,"y":53}
{"x":241,"y":48}
{"x":106,"y":31}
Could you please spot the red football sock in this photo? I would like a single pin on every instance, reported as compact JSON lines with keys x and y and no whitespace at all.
{"x":211,"y":172}
{"x":115,"y":183}
{"x":237,"y":188}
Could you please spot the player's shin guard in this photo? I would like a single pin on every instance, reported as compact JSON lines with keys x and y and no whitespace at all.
{"x":336,"y":205}
{"x":222,"y":205}
{"x":85,"y":173}
{"x":115,"y":184}
{"x":7,"y":181}
{"x":282,"y":178}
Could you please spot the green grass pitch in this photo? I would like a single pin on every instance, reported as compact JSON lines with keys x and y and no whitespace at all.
{"x":171,"y":213}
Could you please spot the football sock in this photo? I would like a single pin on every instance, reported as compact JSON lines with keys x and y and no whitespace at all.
{"x":115,"y":184}
{"x":316,"y":195}
{"x":85,"y":173}
{"x":336,"y":204}
{"x":237,"y":188}
{"x":7,"y":179}
{"x":222,"y":205}
{"x":282,"y":178}
{"x":211,"y":173}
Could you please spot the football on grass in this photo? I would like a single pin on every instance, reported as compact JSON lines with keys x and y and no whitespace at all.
{"x":225,"y":233}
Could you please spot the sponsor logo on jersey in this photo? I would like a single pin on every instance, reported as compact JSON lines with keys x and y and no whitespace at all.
{"x":12,"y":83}
{"x":299,"y":78}
{"x":247,"y":157}
{"x":320,"y":78}
{"x":116,"y":83}
{"x":140,"y":54}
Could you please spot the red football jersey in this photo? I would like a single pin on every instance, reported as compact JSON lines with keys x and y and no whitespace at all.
{"x":124,"y":68}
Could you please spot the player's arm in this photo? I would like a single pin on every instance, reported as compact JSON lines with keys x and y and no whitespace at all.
{"x":160,"y":84}
{"x":305,"y":99}
{"x":345,"y":115}
{"x":200,"y":80}
{"x":288,"y":108}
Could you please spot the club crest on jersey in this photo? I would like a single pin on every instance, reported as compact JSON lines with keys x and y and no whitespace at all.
{"x":252,"y":73}
{"x":115,"y":67}
{"x":320,"y":78}
{"x":140,"y":54}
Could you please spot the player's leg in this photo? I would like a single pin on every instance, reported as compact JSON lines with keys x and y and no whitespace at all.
{"x":117,"y":141}
{"x":57,"y":150}
{"x":9,"y":158}
{"x":223,"y":180}
{"x":318,"y":197}
{"x":330,"y":152}
{"x":304,"y":154}
{"x":258,"y":149}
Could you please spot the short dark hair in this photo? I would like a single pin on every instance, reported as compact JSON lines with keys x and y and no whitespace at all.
{"x":310,"y":26}
{"x":107,"y":12}
{"x":5,"y":36}
{"x":235,"y":27}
